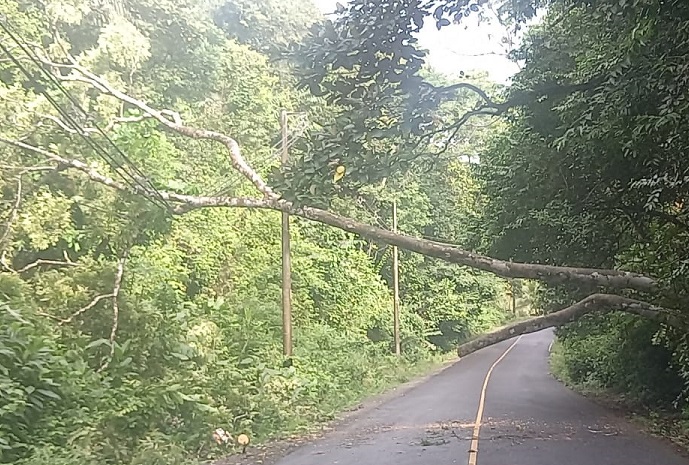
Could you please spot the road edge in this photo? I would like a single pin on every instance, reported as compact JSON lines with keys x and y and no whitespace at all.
{"x":634,"y":416}
{"x":272,"y":451}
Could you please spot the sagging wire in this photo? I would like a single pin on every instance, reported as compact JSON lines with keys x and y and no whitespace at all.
{"x":132,"y":180}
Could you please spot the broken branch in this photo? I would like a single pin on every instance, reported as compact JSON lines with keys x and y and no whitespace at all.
{"x":173,"y":122}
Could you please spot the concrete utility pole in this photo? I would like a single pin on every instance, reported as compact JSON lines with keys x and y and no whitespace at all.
{"x":286,"y":260}
{"x":396,"y":284}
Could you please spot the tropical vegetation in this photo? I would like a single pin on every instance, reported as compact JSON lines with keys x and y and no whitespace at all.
{"x":142,"y":192}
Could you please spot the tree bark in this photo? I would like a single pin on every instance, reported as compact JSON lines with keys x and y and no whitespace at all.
{"x":600,"y":303}
{"x":546,"y":273}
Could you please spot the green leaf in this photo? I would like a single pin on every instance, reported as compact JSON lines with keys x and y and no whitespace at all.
{"x":48,"y":393}
{"x":98,"y":343}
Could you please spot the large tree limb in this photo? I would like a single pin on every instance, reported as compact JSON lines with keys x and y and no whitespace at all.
{"x":551,"y":274}
{"x":168,"y":119}
{"x":450,"y":253}
{"x":599,"y":303}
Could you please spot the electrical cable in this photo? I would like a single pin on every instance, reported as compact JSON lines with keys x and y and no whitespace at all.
{"x":128,"y":177}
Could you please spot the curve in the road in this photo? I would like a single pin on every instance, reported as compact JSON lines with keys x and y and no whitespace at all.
{"x":528,"y":418}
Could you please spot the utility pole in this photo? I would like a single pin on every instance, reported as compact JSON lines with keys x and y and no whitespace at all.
{"x":514,"y":300}
{"x":286,"y":261}
{"x":396,"y":284}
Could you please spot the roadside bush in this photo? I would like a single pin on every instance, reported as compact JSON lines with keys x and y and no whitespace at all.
{"x":622,"y":353}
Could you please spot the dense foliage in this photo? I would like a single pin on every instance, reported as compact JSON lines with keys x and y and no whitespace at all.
{"x":127,"y":336}
{"x":598,"y":178}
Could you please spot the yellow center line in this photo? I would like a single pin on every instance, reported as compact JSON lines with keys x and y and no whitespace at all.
{"x":473,"y":449}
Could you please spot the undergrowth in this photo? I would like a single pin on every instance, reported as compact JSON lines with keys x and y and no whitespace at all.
{"x":57,"y":409}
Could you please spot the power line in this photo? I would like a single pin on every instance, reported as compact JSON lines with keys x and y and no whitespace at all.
{"x":129,"y":178}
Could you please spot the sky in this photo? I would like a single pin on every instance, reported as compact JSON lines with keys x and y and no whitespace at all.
{"x":465,"y":47}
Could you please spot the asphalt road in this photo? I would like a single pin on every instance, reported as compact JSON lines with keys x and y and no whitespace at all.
{"x":528,"y":418}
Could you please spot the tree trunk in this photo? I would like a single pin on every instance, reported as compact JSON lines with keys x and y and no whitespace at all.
{"x":450,"y":253}
{"x":551,"y":274}
{"x":601,"y":303}
{"x":172,"y":121}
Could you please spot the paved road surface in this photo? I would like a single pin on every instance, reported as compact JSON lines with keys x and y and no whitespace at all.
{"x":528,"y":419}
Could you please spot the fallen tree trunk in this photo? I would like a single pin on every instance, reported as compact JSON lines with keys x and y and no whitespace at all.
{"x":551,"y":274}
{"x":599,"y":303}
{"x":173,"y":122}
{"x":546,"y":273}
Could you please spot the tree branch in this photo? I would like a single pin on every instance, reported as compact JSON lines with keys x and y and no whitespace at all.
{"x":79,"y":165}
{"x":450,"y":253}
{"x":453,"y":254}
{"x":41,"y":262}
{"x":488,"y":102}
{"x":27,"y":169}
{"x":13,"y":213}
{"x":108,"y":127}
{"x":86,"y":308}
{"x":490,"y":107}
{"x":3,"y":262}
{"x":64,"y":126}
{"x":172,"y":121}
{"x":455,"y":127}
{"x":15,"y":207}
{"x":115,"y":309}
{"x":522,"y":98}
{"x":600,"y":303}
